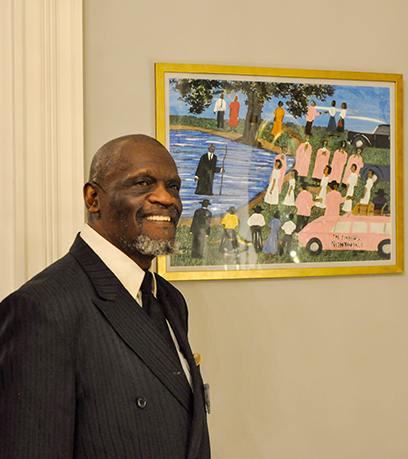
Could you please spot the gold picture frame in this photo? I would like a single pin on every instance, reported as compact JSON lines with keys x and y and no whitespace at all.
{"x":251,"y":138}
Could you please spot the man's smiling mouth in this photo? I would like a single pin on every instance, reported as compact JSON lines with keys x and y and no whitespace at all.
{"x":159,"y":218}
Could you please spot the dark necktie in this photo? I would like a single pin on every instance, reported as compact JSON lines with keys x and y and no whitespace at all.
{"x":154,"y":310}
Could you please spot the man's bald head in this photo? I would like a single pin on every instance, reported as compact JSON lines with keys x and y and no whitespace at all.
{"x":108,"y":157}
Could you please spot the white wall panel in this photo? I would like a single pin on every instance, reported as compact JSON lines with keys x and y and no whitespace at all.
{"x":41,"y":134}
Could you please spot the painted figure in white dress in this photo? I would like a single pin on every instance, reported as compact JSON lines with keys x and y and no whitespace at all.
{"x":272,"y":193}
{"x":351,"y":183}
{"x":289,"y":200}
{"x":371,"y":178}
{"x":324,"y":183}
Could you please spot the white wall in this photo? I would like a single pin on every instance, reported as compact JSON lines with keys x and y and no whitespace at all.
{"x":313,"y":368}
{"x":41,"y":135}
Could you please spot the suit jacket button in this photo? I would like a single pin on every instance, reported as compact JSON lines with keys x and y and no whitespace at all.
{"x":141,"y":402}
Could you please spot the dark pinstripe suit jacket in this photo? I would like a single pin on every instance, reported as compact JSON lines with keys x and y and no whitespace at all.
{"x":84,"y":374}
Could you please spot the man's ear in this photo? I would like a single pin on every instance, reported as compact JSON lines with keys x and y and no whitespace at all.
{"x":91,"y":198}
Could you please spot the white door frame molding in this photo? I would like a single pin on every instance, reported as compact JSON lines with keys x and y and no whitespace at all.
{"x":41,"y":132}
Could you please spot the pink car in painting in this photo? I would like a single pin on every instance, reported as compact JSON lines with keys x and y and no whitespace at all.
{"x":348,"y":232}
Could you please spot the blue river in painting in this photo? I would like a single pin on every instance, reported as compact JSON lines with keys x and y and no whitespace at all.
{"x":247,"y":170}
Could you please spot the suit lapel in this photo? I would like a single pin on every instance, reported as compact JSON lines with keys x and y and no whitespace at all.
{"x":198,"y":425}
{"x":131,"y":323}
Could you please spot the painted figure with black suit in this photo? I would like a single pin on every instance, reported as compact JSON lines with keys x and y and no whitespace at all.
{"x":95,"y":360}
{"x":200,"y":228}
{"x":206,"y":169}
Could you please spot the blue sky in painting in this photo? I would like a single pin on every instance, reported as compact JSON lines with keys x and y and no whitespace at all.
{"x":367,"y":106}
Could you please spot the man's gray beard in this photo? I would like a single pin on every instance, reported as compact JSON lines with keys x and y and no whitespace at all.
{"x":151,"y":247}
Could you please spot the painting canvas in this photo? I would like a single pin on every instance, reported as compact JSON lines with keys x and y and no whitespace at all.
{"x":284,"y":172}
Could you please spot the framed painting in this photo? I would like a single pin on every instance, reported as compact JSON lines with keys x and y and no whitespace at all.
{"x":284,"y":172}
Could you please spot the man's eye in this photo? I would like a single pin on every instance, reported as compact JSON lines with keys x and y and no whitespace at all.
{"x":175,"y":186}
{"x":141,"y":183}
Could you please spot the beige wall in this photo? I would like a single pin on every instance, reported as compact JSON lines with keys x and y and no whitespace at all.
{"x":311,"y":368}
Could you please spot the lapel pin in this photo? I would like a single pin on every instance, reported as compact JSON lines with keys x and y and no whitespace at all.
{"x":198,"y":359}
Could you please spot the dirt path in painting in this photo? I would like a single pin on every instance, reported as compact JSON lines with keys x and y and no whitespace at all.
{"x":228,"y":135}
{"x":235,"y":136}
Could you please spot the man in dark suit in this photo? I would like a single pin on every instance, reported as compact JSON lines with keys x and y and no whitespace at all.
{"x":207,"y":167}
{"x":86,"y":370}
{"x":200,"y":228}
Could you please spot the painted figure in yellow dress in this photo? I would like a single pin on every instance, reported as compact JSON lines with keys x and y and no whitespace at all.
{"x":277,"y":123}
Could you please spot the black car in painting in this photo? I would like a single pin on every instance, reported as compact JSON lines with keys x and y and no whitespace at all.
{"x":380,"y":138}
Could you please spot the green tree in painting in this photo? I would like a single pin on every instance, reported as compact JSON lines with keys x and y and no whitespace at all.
{"x":199,"y":95}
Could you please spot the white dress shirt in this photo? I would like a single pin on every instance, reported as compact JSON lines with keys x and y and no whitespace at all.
{"x":256,"y":219}
{"x":220,"y":105}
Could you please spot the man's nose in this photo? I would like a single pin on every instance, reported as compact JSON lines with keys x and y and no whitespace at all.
{"x":162,"y":195}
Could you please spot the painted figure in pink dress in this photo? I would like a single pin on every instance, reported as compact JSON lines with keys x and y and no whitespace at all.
{"x":322,"y":160}
{"x":356,"y":159}
{"x":311,"y":114}
{"x":304,"y":203}
{"x":333,"y":200}
{"x":303,"y":155}
{"x":338,"y":163}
